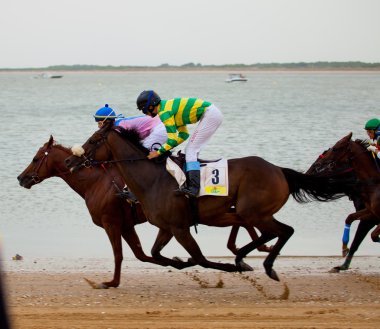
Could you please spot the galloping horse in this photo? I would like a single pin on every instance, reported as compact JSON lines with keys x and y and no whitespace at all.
{"x":98,"y":186}
{"x":351,"y":158}
{"x":257,"y":190}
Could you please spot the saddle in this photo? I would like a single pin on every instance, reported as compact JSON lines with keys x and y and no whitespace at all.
{"x":180,"y":160}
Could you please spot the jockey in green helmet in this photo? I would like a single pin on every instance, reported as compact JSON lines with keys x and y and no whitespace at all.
{"x":373,"y":130}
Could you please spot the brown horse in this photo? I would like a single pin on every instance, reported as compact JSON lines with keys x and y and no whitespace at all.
{"x":322,"y":167}
{"x":257,"y":190}
{"x":347,"y":154}
{"x":99,"y":186}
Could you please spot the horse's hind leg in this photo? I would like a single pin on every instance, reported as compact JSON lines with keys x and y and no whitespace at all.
{"x":184,"y":237}
{"x":231,"y":244}
{"x":162,"y":239}
{"x":270,"y":230}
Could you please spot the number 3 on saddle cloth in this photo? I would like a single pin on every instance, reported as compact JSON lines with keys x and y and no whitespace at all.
{"x":214,"y":176}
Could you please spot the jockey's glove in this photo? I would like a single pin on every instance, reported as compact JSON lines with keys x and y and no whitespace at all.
{"x":372,"y":148}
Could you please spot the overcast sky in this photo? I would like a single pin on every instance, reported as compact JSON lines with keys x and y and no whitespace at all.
{"x":38,"y":33}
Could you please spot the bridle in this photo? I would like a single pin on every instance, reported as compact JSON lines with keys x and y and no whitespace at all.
{"x":337,"y":166}
{"x":88,"y":155}
{"x":34,"y":175}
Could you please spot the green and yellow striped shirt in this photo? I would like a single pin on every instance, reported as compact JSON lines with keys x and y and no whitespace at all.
{"x":175,"y":114}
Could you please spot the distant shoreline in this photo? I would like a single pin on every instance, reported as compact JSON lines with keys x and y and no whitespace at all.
{"x":193,"y":67}
{"x":179,"y":70}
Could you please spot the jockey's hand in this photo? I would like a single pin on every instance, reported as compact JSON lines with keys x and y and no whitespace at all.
{"x":153,"y":154}
{"x":372,"y":149}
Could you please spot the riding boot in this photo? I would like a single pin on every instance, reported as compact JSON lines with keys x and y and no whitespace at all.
{"x":193,"y":180}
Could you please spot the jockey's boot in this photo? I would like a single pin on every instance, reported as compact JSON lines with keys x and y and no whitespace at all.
{"x":193,"y":180}
{"x":125,"y":193}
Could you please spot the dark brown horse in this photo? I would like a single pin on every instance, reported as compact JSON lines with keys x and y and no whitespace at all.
{"x":349,"y":157}
{"x":99,"y":186}
{"x":257,"y":190}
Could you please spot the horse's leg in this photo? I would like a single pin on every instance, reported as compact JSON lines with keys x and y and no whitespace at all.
{"x":363,"y":228}
{"x":130,"y":236}
{"x":231,"y":244}
{"x":252,"y":233}
{"x":375,"y":234}
{"x":162,"y":239}
{"x":114,"y":235}
{"x":363,"y":215}
{"x":184,"y":237}
{"x":270,"y":230}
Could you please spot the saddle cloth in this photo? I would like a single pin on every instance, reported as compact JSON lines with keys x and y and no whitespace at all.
{"x":214,"y":176}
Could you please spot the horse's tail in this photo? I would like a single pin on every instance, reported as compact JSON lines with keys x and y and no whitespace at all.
{"x":305,"y":188}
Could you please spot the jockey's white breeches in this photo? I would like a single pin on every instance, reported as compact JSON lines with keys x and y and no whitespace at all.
{"x":209,"y":122}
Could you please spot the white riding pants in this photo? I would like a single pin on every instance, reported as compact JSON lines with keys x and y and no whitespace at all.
{"x":210,"y":121}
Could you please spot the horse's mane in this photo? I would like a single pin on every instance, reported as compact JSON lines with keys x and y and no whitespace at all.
{"x":362,"y":142}
{"x":133,"y":136}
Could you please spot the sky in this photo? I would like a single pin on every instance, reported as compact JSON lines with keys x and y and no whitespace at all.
{"x":41,"y":33}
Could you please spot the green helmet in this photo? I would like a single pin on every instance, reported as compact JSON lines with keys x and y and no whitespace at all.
{"x":372,"y":124}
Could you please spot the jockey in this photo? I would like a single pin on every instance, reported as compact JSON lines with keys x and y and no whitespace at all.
{"x":175,"y":115}
{"x":151,"y":130}
{"x":373,"y":130}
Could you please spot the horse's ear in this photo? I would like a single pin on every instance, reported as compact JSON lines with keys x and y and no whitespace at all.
{"x":349,"y":136}
{"x":51,"y":141}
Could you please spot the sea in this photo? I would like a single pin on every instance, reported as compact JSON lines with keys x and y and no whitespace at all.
{"x":287,"y":118}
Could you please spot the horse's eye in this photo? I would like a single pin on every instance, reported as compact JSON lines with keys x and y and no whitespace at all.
{"x":35,"y":159}
{"x":91,"y":141}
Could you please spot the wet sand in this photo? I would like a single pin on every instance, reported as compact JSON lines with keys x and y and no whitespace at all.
{"x":50,"y":293}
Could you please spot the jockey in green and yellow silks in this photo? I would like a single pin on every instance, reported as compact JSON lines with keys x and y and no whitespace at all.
{"x":176,"y":114}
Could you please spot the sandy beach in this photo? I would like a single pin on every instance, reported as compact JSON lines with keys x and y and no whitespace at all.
{"x":48,"y":293}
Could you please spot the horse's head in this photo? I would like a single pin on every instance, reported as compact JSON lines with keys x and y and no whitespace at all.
{"x":94,"y":149}
{"x":39,"y":169}
{"x":335,"y":160}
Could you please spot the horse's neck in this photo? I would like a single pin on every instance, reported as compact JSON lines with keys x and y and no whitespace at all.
{"x":140,"y":174}
{"x":364,"y":166}
{"x":81,"y":181}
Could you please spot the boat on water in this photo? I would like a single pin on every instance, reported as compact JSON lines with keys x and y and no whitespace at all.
{"x":47,"y":76}
{"x":235,"y":77}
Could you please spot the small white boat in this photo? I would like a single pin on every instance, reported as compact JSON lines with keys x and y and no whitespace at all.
{"x":47,"y":76}
{"x":234,"y":77}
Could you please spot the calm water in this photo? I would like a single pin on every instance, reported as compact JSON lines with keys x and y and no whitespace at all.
{"x":286,"y":118}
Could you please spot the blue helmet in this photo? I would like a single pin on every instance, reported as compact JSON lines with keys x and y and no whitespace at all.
{"x":105,"y":113}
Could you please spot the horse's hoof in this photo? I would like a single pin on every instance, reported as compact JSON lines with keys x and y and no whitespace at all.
{"x":273,"y":275}
{"x":335,"y":269}
{"x":95,"y":285}
{"x":243,"y":267}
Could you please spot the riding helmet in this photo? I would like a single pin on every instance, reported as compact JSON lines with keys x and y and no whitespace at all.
{"x":146,"y":99}
{"x":105,"y":113}
{"x":372,"y":124}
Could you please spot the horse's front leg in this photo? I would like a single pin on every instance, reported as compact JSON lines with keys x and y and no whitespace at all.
{"x":361,"y":232}
{"x":162,"y":239}
{"x":114,"y":235}
{"x":363,"y":214}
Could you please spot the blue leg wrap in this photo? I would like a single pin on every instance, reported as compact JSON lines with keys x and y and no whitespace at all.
{"x":195,"y":165}
{"x":346,"y":234}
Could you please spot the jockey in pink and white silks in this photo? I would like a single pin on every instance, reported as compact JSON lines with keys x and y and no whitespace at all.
{"x":151,"y":130}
